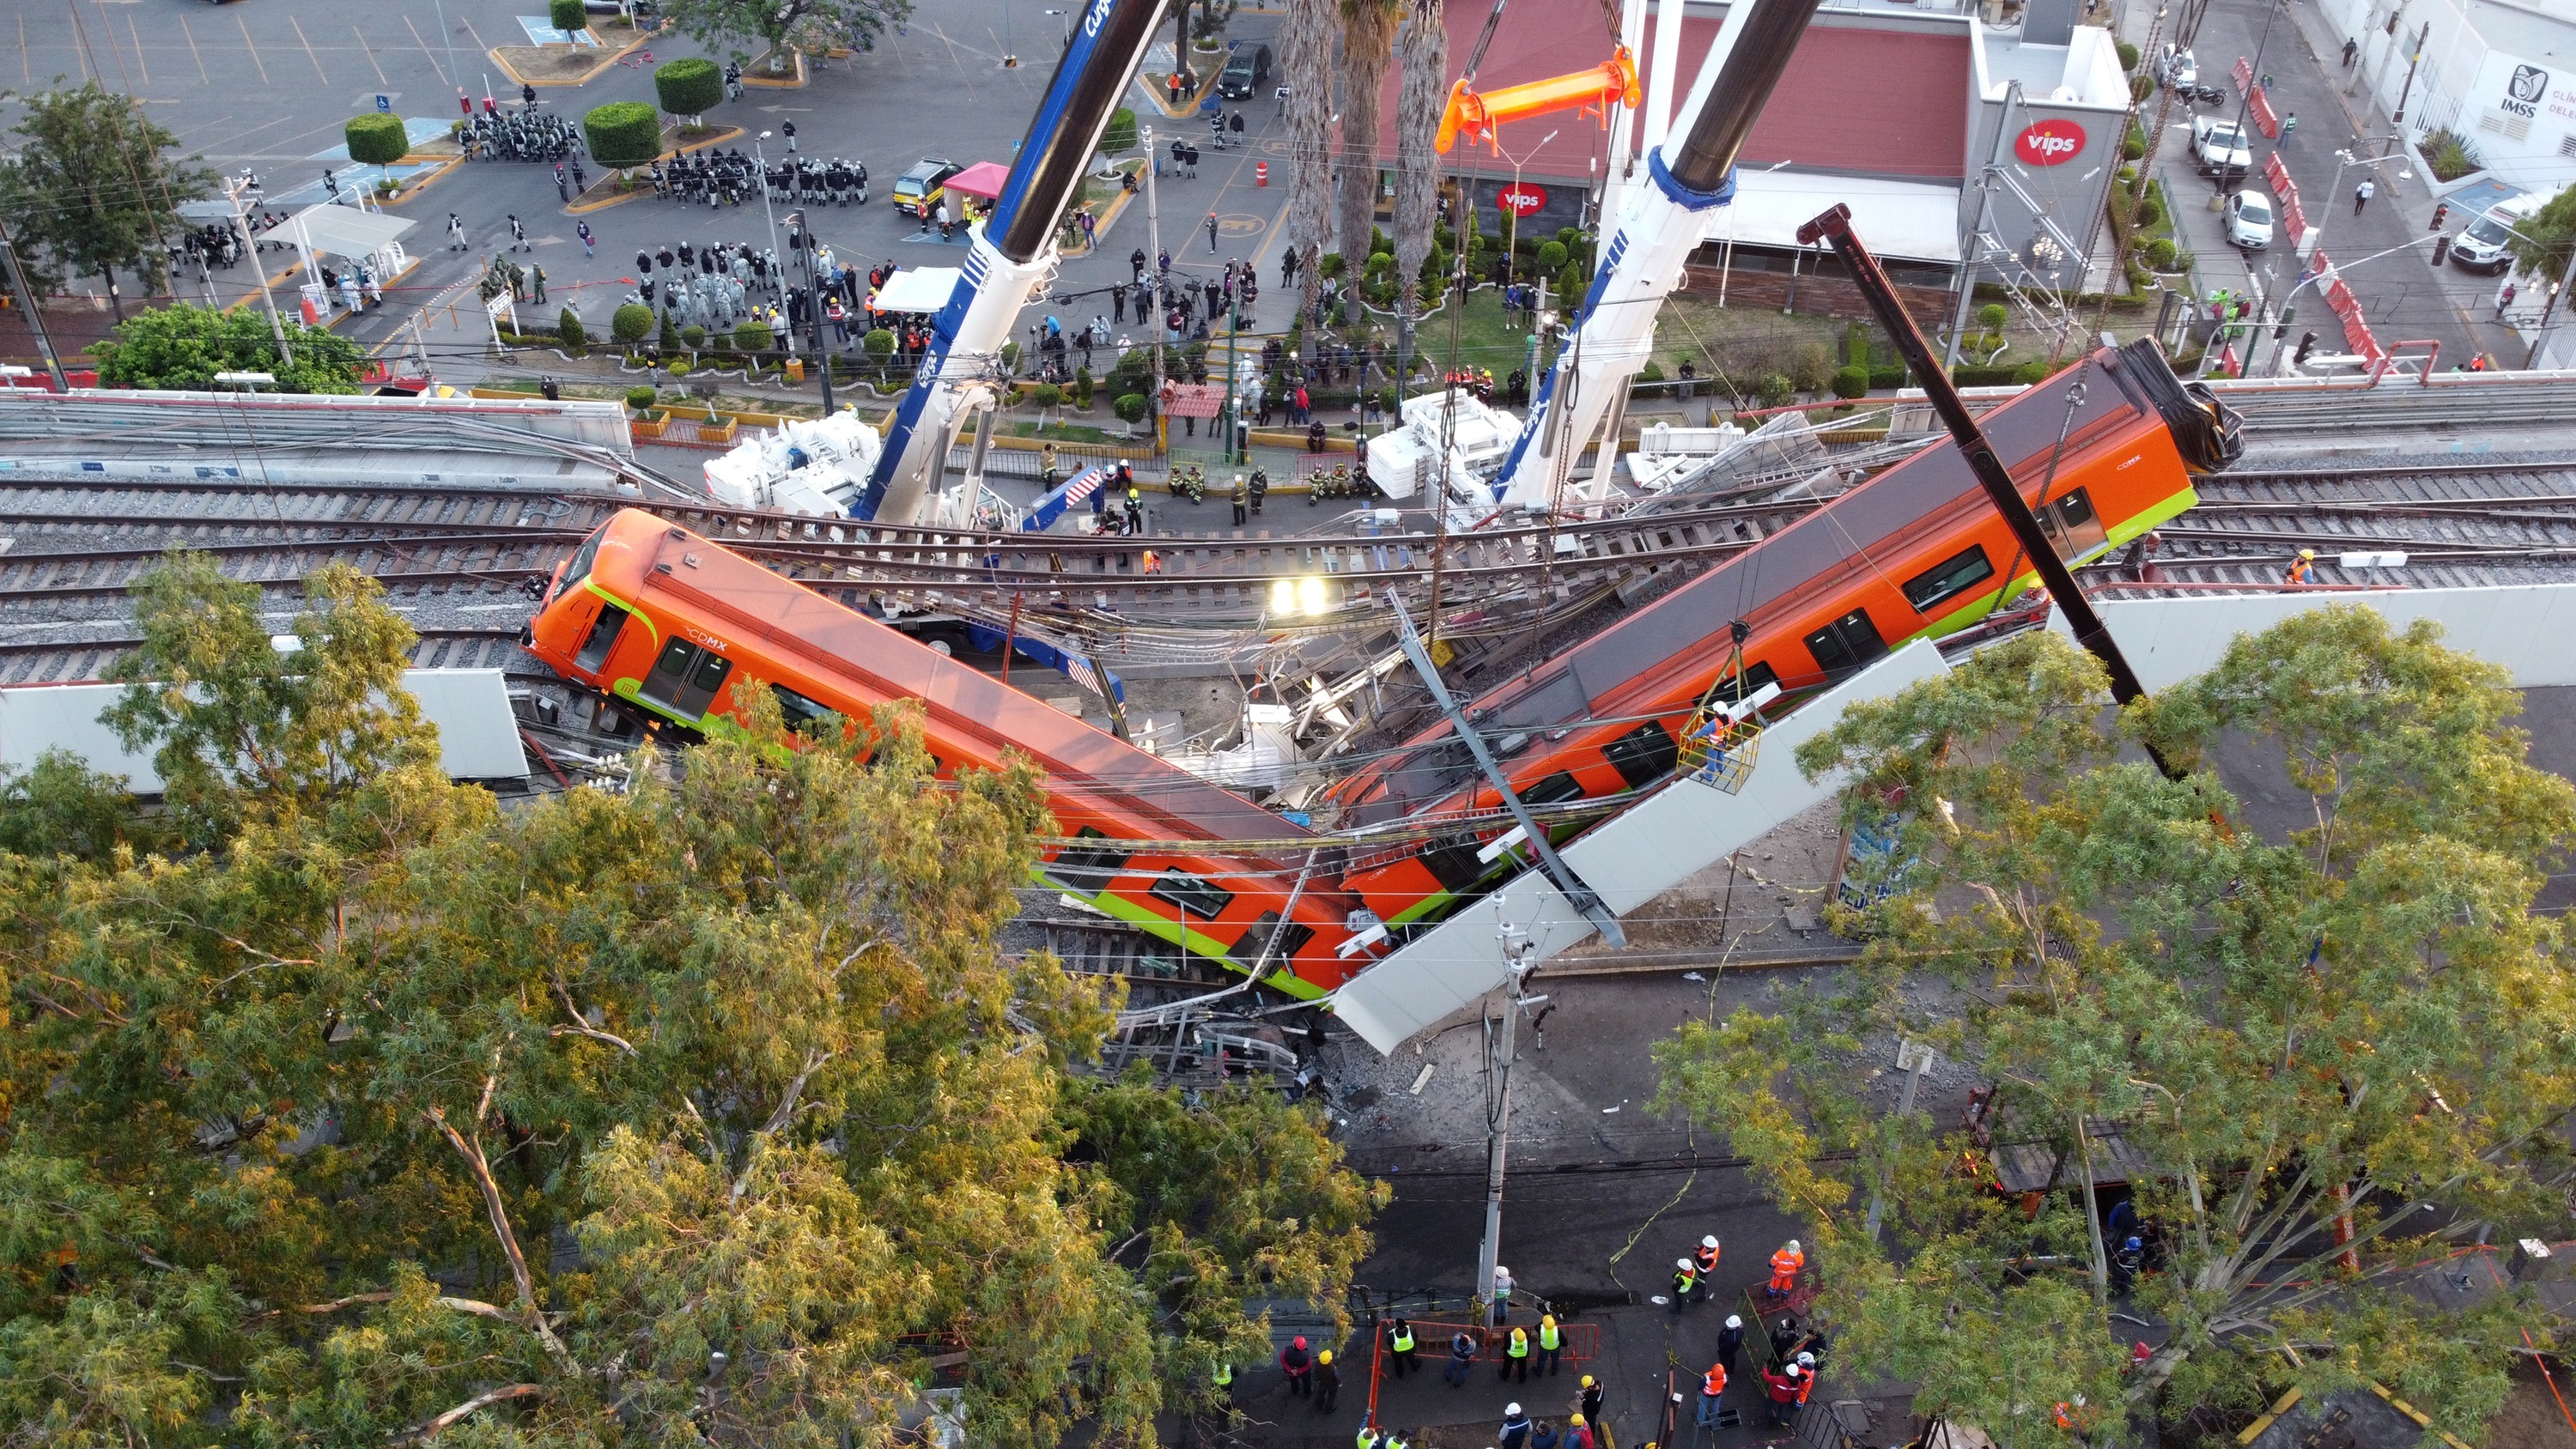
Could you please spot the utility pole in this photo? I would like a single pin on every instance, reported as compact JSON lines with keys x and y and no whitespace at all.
{"x":800,"y":239}
{"x":1517,"y":947}
{"x":234,"y":187}
{"x":35,"y":308}
{"x":1154,"y":287}
{"x":2539,"y":333}
{"x":2407,"y":90}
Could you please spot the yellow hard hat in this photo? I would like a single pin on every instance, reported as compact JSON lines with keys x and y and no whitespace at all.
{"x":1325,"y":1357}
{"x":1547,"y":1320}
{"x":1577,"y":1419}
{"x":1587,"y":1381}
{"x":2308,"y":553}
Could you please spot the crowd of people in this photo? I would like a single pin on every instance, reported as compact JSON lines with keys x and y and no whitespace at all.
{"x":527,"y":134}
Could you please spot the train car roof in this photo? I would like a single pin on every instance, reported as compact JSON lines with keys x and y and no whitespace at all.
{"x":1694,"y":617}
{"x":833,"y":640}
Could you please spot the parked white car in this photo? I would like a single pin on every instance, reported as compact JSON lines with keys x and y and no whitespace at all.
{"x":2249,"y":220}
{"x":2220,"y":146}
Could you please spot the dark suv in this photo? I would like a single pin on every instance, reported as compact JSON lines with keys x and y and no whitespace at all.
{"x":1246,"y":72}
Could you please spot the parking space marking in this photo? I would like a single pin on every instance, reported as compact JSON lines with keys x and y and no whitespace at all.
{"x":369,"y":52}
{"x":308,"y":50}
{"x":253,"y":47}
{"x":424,"y":48}
{"x":192,"y":50}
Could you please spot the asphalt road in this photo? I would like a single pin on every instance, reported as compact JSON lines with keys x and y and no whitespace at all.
{"x":2383,"y":252}
{"x":268,"y":86}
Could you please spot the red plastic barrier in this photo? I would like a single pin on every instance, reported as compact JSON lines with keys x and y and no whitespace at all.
{"x":2261,"y":110}
{"x":2243,"y":71}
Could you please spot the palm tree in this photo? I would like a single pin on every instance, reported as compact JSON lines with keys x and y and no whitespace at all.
{"x":1305,"y":56}
{"x":1423,"y":54}
{"x":1368,"y":41}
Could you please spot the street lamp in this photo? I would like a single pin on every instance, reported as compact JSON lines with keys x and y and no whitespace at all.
{"x":777,"y":275}
{"x":1067,"y":17}
{"x":2281,"y":308}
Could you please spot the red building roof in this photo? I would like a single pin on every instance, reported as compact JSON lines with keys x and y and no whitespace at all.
{"x":1881,"y":102}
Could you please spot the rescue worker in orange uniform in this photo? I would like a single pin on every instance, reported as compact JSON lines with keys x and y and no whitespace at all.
{"x":1712,"y":1389}
{"x":1785,"y":1266}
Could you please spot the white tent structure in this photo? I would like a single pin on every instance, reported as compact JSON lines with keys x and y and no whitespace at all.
{"x":366,"y":238}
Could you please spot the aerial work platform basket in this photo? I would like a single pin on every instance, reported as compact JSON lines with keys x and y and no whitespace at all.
{"x":1478,"y":115}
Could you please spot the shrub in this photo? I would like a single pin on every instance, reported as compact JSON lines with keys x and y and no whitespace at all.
{"x":693,"y":337}
{"x":1389,"y":400}
{"x":1328,"y":265}
{"x":2128,"y":56}
{"x":640,"y":398}
{"x":1010,"y":356}
{"x":1046,"y":395}
{"x":2134,"y":145}
{"x":679,"y":367}
{"x":1551,"y":257}
{"x":1850,"y":381}
{"x":1120,"y":135}
{"x":1443,"y":238}
{"x":2128,"y":177}
{"x":630,"y":323}
{"x":1993,"y":316}
{"x":1569,"y":282}
{"x":568,"y":327}
{"x":1130,"y":408}
{"x":689,"y":87}
{"x":878,"y":344}
{"x":1777,"y":389}
{"x":376,"y":139}
{"x":1083,"y":386}
{"x":2161,"y":253}
{"x":1891,"y":375}
{"x":2140,"y":87}
{"x":2449,"y":154}
{"x":2030,"y":372}
{"x":2150,"y":211}
{"x":1812,"y":370}
{"x":1133,"y":372}
{"x":1379,"y":264}
{"x":668,"y":339}
{"x":1650,"y":373}
{"x":753,"y":336}
{"x":624,"y":133}
{"x":567,"y":15}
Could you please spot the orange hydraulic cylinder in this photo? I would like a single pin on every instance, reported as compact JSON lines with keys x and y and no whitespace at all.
{"x":1477,"y":116}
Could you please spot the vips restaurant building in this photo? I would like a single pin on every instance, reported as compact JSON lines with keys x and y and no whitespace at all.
{"x":1957,"y":142}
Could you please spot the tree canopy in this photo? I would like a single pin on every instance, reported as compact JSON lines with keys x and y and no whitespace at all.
{"x":730,"y":25}
{"x":341,"y":1103}
{"x":93,"y":188}
{"x":183,"y":346}
{"x":2346,"y":1038}
{"x":2543,"y":241}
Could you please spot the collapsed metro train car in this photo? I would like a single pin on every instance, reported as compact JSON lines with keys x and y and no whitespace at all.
{"x":1914,"y":552}
{"x":668,"y":623}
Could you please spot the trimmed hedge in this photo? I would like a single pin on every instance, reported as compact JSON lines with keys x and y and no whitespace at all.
{"x":567,"y":15}
{"x":1131,"y":408}
{"x":640,"y":398}
{"x":376,"y":139}
{"x":568,"y":327}
{"x":631,"y":323}
{"x":689,"y":87}
{"x":753,"y":336}
{"x":623,"y":133}
{"x":1851,"y":381}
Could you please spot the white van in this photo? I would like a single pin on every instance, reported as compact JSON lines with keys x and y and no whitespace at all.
{"x":2484,"y":245}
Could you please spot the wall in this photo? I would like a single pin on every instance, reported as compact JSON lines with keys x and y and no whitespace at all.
{"x":2502,"y":76}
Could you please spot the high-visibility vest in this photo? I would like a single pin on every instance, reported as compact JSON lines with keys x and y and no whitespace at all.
{"x":1224,"y":1374}
{"x":1785,"y":1264}
{"x":1368,"y":1436}
{"x":1548,"y":1338}
{"x":1520,"y":1343}
{"x":1714,"y":1383}
{"x":1708,"y":1260}
{"x":1401,"y":1342}
{"x":1684,"y":1279}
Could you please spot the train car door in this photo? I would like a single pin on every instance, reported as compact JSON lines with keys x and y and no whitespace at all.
{"x":2072,"y":525}
{"x":686,"y":678}
{"x":1846,"y":644}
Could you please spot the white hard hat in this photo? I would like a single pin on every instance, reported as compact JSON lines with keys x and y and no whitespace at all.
{"x":1793,"y":1245}
{"x":1681,"y":1262}
{"x":1709,"y":1242}
{"x":1734,"y":1322}
{"x":1510,"y":1409}
{"x":1806,"y":1360}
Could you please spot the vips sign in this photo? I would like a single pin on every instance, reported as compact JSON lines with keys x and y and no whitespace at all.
{"x":1522,"y":201}
{"x":2049,"y":142}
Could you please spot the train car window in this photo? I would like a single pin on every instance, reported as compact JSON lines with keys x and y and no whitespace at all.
{"x":1086,"y":869}
{"x":1203,"y":902}
{"x":671,"y":671}
{"x":1248,"y":947}
{"x":1751,"y":682}
{"x":1846,"y":644}
{"x":1560,"y":786}
{"x":579,"y":568}
{"x":1452,"y":861}
{"x":602,"y":639}
{"x":1643,"y":755}
{"x":797,"y":709}
{"x":1949,"y":578}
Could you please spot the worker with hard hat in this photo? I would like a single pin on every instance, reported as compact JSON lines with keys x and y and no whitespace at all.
{"x":1551,"y":1343}
{"x":1588,"y":1402}
{"x":1516,"y":1356}
{"x":1785,"y":1266}
{"x":1328,"y":1383}
{"x":1685,"y":1281}
{"x":1707,"y":1256}
{"x":1730,"y":1342}
{"x":2302,"y":567}
{"x":1712,"y":1391}
{"x":1298,"y":1365}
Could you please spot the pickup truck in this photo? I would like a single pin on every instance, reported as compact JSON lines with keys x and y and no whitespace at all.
{"x":2219,"y":147}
